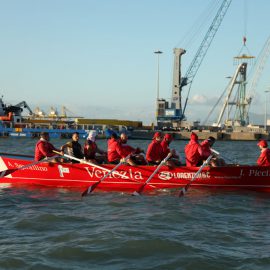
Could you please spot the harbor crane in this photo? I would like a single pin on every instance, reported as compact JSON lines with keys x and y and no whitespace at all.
{"x":175,"y":113}
{"x":240,"y":104}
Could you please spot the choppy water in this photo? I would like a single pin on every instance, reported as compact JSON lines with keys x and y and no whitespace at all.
{"x":55,"y":229}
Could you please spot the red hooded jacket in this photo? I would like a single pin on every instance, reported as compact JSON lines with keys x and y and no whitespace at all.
{"x":115,"y":150}
{"x":44,"y":149}
{"x":193,"y":151}
{"x":154,"y":151}
{"x":205,"y":149}
{"x":264,"y":158}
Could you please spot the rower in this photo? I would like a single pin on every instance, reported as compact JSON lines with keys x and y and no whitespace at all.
{"x":264,"y":158}
{"x":91,"y":149}
{"x":116,"y":151}
{"x":44,"y":148}
{"x":136,"y":153}
{"x":192,"y":151}
{"x":206,"y":151}
{"x":73,"y":147}
{"x":174,"y":160}
{"x":154,"y":154}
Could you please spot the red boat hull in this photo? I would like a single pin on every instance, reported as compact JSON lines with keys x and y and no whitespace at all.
{"x":82,"y":176}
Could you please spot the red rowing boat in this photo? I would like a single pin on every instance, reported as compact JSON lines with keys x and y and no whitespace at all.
{"x":129,"y":178}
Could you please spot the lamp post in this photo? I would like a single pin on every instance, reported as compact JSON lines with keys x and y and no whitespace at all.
{"x":265,"y":112}
{"x":158,"y":53}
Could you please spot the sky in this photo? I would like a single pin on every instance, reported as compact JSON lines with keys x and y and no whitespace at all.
{"x":96,"y":57}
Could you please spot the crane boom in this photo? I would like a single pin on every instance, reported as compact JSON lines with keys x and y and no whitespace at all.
{"x":195,"y":64}
{"x":262,"y":59}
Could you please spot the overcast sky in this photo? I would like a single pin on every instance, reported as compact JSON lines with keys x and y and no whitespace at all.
{"x":96,"y":57}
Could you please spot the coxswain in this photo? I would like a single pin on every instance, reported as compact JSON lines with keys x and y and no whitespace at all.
{"x":264,"y":158}
{"x":154,"y":154}
{"x":116,"y":152}
{"x":192,"y":151}
{"x":91,"y":150}
{"x":73,"y":148}
{"x":174,"y":160}
{"x":44,"y":148}
{"x":136,"y":154}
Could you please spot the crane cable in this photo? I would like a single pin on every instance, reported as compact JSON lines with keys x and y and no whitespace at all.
{"x":193,"y":33}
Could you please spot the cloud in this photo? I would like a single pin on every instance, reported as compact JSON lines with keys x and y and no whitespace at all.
{"x":198,"y":99}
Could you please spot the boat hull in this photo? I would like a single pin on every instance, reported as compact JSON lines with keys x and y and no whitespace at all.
{"x":81,"y":176}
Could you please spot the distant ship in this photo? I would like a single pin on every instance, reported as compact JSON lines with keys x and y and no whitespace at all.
{"x":13,"y":123}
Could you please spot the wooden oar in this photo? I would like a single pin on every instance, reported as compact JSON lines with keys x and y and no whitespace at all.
{"x":141,"y":188}
{"x":92,"y":187}
{"x":185,"y":189}
{"x":89,"y":163}
{"x":10,"y":171}
{"x":15,"y":155}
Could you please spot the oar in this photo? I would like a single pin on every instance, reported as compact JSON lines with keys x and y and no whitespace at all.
{"x":217,"y":153}
{"x":185,"y":189}
{"x":10,"y":171}
{"x":89,"y":163}
{"x":15,"y":155}
{"x":141,"y":188}
{"x":92,"y":187}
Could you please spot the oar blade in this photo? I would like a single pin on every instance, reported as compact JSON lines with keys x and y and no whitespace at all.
{"x":90,"y":189}
{"x":136,"y":193}
{"x":7,"y":172}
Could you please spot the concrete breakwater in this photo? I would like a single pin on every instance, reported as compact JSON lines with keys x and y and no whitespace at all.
{"x":220,"y":135}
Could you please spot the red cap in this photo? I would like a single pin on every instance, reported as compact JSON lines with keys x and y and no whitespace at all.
{"x":157,"y":134}
{"x":168,"y":136}
{"x":194,"y":136}
{"x":262,"y":143}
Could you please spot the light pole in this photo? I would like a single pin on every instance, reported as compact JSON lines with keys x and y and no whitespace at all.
{"x":158,"y":53}
{"x":265,"y":112}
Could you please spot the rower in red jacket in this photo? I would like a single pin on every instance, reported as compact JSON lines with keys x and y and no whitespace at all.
{"x":116,"y":151}
{"x":44,"y":148}
{"x":154,"y":154}
{"x":174,"y":160}
{"x":136,"y":153}
{"x":206,"y":147}
{"x":206,"y":152}
{"x":192,"y":151}
{"x":264,"y":158}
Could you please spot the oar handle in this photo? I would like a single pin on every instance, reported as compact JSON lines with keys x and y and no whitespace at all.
{"x":215,"y":151}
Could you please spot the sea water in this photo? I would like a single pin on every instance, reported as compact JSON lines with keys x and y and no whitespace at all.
{"x":47,"y":228}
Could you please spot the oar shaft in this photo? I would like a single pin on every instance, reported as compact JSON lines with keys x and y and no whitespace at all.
{"x":137,"y":192}
{"x":184,"y":189}
{"x":15,"y":155}
{"x":89,"y":163}
{"x":92,"y":187}
{"x":10,"y":171}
